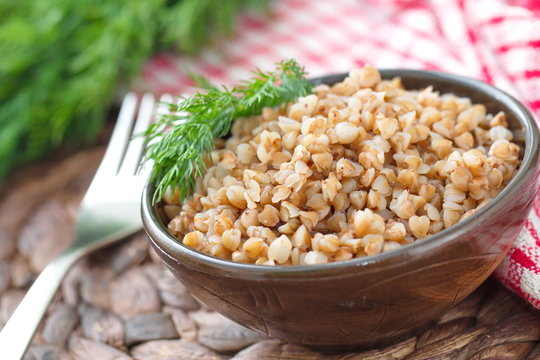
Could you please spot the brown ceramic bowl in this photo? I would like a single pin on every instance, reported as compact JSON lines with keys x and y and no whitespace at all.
{"x":378,"y":299}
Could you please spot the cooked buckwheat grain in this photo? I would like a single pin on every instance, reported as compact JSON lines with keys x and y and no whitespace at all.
{"x":362,"y":167}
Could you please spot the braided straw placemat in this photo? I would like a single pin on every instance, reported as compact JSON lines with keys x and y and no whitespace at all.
{"x":121,"y":303}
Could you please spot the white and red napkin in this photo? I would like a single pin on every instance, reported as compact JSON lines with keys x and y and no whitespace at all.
{"x":496,"y":41}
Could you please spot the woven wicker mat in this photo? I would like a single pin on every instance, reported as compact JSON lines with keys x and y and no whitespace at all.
{"x":121,"y":303}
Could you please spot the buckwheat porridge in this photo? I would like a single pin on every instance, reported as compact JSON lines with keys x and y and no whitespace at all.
{"x":359,"y":168}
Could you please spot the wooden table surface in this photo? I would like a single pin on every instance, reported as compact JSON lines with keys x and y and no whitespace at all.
{"x":121,"y":303}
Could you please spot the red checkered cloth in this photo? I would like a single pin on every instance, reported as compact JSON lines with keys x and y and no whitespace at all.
{"x":493,"y":40}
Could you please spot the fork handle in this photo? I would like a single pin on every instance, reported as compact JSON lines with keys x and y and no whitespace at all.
{"x":21,"y":326}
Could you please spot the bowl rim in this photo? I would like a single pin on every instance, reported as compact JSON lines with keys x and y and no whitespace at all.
{"x":161,"y":238}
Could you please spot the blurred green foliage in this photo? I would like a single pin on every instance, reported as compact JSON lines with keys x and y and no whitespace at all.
{"x":62,"y":60}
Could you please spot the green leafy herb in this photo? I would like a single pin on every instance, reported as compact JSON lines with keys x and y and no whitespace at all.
{"x":61,"y":62}
{"x":180,"y":143}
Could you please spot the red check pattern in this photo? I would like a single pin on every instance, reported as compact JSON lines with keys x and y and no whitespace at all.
{"x":496,"y":41}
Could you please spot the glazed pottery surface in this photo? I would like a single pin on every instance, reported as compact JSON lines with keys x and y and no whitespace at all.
{"x":374,"y":300}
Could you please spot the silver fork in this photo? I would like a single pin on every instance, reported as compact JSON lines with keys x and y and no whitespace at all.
{"x":109,"y":212}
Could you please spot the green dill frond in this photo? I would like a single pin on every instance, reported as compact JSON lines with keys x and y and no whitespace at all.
{"x":62,"y":61}
{"x":181,"y":142}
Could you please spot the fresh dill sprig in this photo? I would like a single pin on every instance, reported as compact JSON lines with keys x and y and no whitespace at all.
{"x":179,"y":143}
{"x":63,"y":61}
